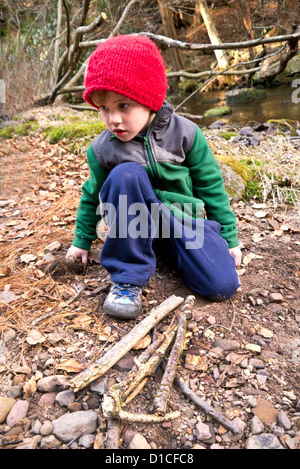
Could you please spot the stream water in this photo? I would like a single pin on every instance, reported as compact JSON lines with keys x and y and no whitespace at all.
{"x":278,"y":104}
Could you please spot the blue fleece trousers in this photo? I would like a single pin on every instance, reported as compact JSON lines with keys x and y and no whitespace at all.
{"x":139,"y":223}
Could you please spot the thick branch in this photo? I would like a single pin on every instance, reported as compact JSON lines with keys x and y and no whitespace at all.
{"x":229,"y":45}
{"x":169,"y":42}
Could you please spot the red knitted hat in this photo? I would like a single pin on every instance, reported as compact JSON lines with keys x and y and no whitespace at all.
{"x":128,"y":65}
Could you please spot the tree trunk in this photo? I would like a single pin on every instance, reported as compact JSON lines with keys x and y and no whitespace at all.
{"x":245,"y":6}
{"x":169,"y":29}
{"x":57,"y":43}
{"x":212,"y":33}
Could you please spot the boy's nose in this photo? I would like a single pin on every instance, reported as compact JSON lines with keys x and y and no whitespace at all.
{"x":115,"y":118}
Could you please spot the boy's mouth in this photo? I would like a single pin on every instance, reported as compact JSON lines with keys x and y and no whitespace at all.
{"x":119,"y":132}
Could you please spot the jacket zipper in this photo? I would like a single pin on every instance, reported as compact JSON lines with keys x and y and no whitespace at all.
{"x":148,"y":148}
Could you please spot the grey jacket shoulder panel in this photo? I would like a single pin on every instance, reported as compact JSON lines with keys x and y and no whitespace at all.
{"x":170,"y":137}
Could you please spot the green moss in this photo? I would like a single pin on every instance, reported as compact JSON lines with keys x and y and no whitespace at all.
{"x":228,"y":135}
{"x":218,"y":111}
{"x":18,"y":129}
{"x":55,"y":133}
{"x":237,"y":166}
{"x":253,"y":190}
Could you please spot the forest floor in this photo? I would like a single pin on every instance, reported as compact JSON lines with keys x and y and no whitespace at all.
{"x":241,"y":356}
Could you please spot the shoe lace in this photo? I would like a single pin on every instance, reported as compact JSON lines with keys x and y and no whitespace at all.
{"x":122,"y":289}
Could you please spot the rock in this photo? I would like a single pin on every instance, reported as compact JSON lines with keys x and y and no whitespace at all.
{"x":265,"y":411}
{"x":244,"y":95}
{"x":234,"y":183}
{"x":17,"y":412}
{"x":99,"y":385}
{"x":275,"y":298}
{"x":30,"y":443}
{"x":263,"y":441}
{"x":138,"y":442}
{"x":253,"y":348}
{"x":46,"y":428}
{"x":283,"y":420}
{"x":87,"y":441}
{"x":6,"y":403}
{"x":52,"y":383}
{"x":47,"y":399}
{"x":218,"y":111}
{"x":69,"y":426}
{"x":217,"y":125}
{"x":227,"y":345}
{"x":125,"y":363}
{"x":64,"y":398}
{"x":36,"y":427}
{"x":50,"y":442}
{"x":256,"y":426}
{"x":203,"y":432}
{"x":256,"y":363}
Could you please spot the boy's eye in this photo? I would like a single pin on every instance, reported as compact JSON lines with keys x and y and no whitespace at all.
{"x":123,"y":106}
{"x":103,"y":108}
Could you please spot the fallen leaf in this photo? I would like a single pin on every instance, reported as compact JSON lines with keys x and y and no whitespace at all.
{"x":81,"y":322}
{"x":35,"y":337}
{"x":71,"y":366}
{"x":249,"y":257}
{"x":104,"y":334}
{"x":7,"y":296}
{"x":195,"y":362}
{"x":30,"y":387}
{"x":143,"y":343}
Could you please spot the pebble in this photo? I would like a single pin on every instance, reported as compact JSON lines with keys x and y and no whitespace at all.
{"x":275,"y":298}
{"x":265,"y":411}
{"x":284,"y":421}
{"x":69,"y":426}
{"x":139,"y":442}
{"x":53,"y":383}
{"x":64,"y":398}
{"x":6,"y":404}
{"x":263,"y":441}
{"x":17,"y":412}
{"x":256,"y":426}
{"x":46,"y":428}
{"x":227,"y":345}
{"x":202,"y":431}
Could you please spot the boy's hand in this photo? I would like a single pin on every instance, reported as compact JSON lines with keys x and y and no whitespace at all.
{"x":77,"y":253}
{"x":237,"y":254}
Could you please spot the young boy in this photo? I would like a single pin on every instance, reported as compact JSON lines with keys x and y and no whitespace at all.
{"x":155,"y":176}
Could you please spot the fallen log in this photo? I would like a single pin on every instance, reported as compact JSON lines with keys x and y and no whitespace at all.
{"x":122,"y":347}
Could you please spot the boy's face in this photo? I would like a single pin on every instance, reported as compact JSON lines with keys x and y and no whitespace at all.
{"x":124,"y":117}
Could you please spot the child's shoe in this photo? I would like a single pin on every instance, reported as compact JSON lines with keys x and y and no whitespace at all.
{"x":124,"y":301}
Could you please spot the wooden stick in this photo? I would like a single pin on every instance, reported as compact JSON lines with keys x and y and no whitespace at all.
{"x":233,"y":427}
{"x":100,"y":367}
{"x":113,"y":434}
{"x":161,"y":398}
{"x":116,"y":396}
{"x":147,"y":418}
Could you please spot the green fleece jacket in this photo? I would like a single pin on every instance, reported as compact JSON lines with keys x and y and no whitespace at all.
{"x":180,"y":165}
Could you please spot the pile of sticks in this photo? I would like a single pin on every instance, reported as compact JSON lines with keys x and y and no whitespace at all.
{"x":121,"y":394}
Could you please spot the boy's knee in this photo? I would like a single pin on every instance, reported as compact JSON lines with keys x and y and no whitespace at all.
{"x":127,"y":171}
{"x":224,"y":289}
